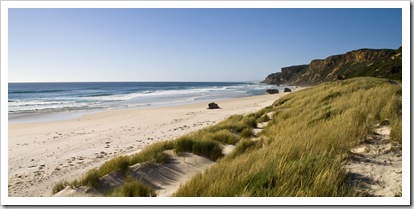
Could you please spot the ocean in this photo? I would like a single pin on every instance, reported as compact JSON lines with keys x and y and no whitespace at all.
{"x":31,"y":102}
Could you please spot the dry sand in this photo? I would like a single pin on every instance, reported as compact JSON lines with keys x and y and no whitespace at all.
{"x":42,"y":154}
{"x":376,"y":164}
{"x":165,"y":179}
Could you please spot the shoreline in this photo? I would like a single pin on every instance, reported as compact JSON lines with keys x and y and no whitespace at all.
{"x":42,"y":154}
{"x":74,"y":102}
{"x":26,"y":118}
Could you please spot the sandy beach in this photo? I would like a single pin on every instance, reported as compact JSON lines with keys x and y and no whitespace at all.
{"x":42,"y":154}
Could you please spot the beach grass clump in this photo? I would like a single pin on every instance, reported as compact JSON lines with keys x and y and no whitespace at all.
{"x":264,"y":118}
{"x":184,"y":144}
{"x":247,"y":133}
{"x":91,"y":178}
{"x":225,"y":137}
{"x":151,"y":152}
{"x":209,"y":149}
{"x":133,"y":188}
{"x":235,"y":123}
{"x":304,"y":145}
{"x":199,"y":146}
{"x":250,"y":122}
{"x":59,"y":186}
{"x":120,"y":163}
{"x":258,"y":114}
{"x":245,"y":145}
{"x":396,"y":131}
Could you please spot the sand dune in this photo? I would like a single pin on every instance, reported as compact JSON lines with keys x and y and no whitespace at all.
{"x":164,"y":178}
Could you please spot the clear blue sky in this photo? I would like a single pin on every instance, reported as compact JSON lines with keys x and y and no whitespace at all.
{"x":186,"y":44}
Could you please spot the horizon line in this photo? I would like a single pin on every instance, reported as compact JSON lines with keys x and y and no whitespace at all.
{"x":133,"y":81}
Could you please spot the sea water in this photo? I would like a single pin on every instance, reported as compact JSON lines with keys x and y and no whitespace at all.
{"x":31,"y":102}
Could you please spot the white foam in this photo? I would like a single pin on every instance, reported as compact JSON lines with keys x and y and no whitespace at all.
{"x":135,"y":99}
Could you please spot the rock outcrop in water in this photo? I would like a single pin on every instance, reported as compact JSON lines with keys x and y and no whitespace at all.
{"x":383,"y":63}
{"x":272,"y":91}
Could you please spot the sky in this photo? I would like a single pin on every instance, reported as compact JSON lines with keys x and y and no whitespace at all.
{"x":71,"y":45}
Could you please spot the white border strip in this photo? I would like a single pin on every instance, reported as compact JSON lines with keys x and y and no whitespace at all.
{"x":406,"y":111}
{"x":404,"y":200}
{"x":242,"y":201}
{"x":205,"y":4}
{"x":4,"y":102}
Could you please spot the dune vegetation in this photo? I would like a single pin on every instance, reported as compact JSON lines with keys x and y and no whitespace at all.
{"x":299,"y":153}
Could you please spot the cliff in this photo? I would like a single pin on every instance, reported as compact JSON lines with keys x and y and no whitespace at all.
{"x":383,"y":63}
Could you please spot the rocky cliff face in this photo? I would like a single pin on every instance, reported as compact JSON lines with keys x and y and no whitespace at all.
{"x":286,"y":75}
{"x":386,"y":63}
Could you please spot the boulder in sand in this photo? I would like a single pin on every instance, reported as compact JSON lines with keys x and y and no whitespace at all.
{"x":287,"y":90}
{"x":213,"y":106}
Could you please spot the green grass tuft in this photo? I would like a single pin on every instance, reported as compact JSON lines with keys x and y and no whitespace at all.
{"x":264,"y":118}
{"x":59,"y":186}
{"x":199,"y":146}
{"x":91,"y":178}
{"x":225,"y":136}
{"x":247,"y":133}
{"x":133,"y":188}
{"x":244,"y":146}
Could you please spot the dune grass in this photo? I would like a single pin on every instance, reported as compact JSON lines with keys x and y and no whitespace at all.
{"x":133,"y":188}
{"x":264,"y":118}
{"x":247,"y":133}
{"x":302,"y":149}
{"x":59,"y":186}
{"x":299,"y":153}
{"x":199,"y":146}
